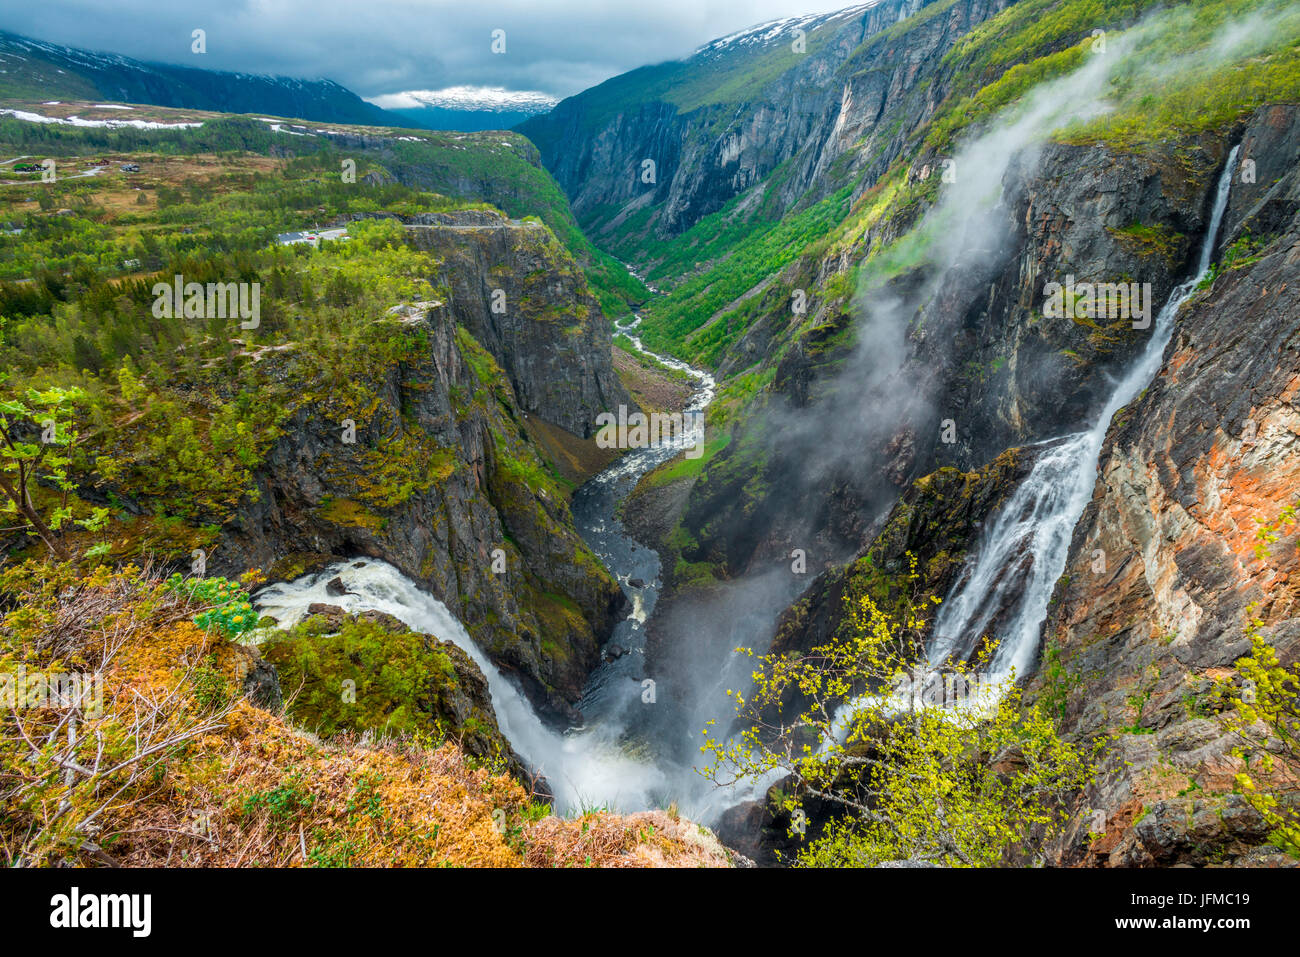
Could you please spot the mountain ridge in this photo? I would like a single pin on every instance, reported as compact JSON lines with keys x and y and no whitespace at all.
{"x":112,"y":76}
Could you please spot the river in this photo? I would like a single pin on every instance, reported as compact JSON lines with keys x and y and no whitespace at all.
{"x":608,"y":762}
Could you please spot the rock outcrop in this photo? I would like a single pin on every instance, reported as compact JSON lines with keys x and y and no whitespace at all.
{"x":441,"y":481}
{"x":524,"y":299}
{"x":448,"y":693}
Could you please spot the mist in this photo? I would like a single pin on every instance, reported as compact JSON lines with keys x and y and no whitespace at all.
{"x":887,"y":396}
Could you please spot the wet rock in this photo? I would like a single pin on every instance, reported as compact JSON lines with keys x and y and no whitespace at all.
{"x":329,"y":611}
{"x":934,"y":521}
{"x":258,"y":678}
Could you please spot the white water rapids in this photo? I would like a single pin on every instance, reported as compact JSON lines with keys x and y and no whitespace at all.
{"x":583,"y":770}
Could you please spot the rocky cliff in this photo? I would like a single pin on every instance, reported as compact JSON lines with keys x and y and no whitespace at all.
{"x":820,"y":93}
{"x":1168,"y":565}
{"x":523,"y":298}
{"x":973,"y":349}
{"x":418,"y":455}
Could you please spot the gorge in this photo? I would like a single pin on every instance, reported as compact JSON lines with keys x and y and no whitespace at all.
{"x":975,"y":327}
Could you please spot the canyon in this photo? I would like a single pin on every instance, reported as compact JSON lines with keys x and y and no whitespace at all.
{"x":852,"y":246}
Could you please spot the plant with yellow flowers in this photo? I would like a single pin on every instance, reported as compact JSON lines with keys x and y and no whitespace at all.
{"x":1265,"y":714}
{"x":954,"y":779}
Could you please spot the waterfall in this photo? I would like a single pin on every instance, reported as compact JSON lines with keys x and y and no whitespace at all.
{"x":1024,"y":552}
{"x":606,"y":763}
{"x":583,"y":770}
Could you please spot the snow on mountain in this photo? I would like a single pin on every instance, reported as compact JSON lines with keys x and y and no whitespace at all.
{"x":102,"y":124}
{"x":493,"y":99}
{"x":777,"y":30}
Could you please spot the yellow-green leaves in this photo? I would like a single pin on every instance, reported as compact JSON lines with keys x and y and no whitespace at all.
{"x":1265,"y":714}
{"x":961,"y":783}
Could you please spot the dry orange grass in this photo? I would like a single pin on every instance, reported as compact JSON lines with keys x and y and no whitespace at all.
{"x":644,"y":839}
{"x":248,"y":789}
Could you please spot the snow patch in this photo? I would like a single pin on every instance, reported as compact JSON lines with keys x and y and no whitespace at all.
{"x":110,"y":124}
{"x":492,"y":99}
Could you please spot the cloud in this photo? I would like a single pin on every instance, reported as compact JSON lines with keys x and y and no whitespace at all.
{"x":388,"y":46}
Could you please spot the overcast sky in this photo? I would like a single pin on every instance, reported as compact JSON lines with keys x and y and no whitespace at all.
{"x":384,"y":46}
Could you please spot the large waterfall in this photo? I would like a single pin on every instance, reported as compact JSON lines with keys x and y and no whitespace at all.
{"x":587,"y":767}
{"x":1024,"y":552}
{"x":582,"y":770}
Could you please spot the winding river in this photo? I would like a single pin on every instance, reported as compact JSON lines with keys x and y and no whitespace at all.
{"x":606,"y":762}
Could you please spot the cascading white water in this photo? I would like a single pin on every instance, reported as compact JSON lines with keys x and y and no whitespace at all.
{"x":583,"y":770}
{"x":592,"y":767}
{"x":1025,"y":551}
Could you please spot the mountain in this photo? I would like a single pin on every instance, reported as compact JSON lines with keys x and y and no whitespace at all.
{"x":36,"y":70}
{"x":467,"y":107}
{"x":720,"y":121}
{"x":991,"y":310}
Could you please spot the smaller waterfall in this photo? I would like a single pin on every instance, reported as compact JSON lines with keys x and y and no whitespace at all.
{"x":1025,"y":551}
{"x":583,"y":770}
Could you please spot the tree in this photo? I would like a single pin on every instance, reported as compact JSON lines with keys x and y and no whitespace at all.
{"x":47,"y":416}
{"x":914,"y":775}
{"x":1264,"y":713}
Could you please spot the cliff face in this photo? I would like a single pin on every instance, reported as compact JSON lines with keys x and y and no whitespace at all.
{"x":440,"y":477}
{"x":1188,"y":473}
{"x":977,"y":351}
{"x":523,"y":298}
{"x":842,"y":101}
{"x":1167,"y":565}
{"x":936,"y":522}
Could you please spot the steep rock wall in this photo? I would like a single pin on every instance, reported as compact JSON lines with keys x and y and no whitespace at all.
{"x":439,"y":477}
{"x":1166,"y":567}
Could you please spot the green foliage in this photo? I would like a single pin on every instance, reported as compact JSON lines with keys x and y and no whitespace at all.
{"x":1266,"y":533}
{"x":682,"y":467}
{"x":745,"y":252}
{"x":1059,"y":680}
{"x":963,"y":786}
{"x":211,"y":689}
{"x":284,"y":803}
{"x":1266,"y":696}
{"x":1244,"y":251}
{"x":227,"y":606}
{"x":397,"y":678}
{"x":39,"y":447}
